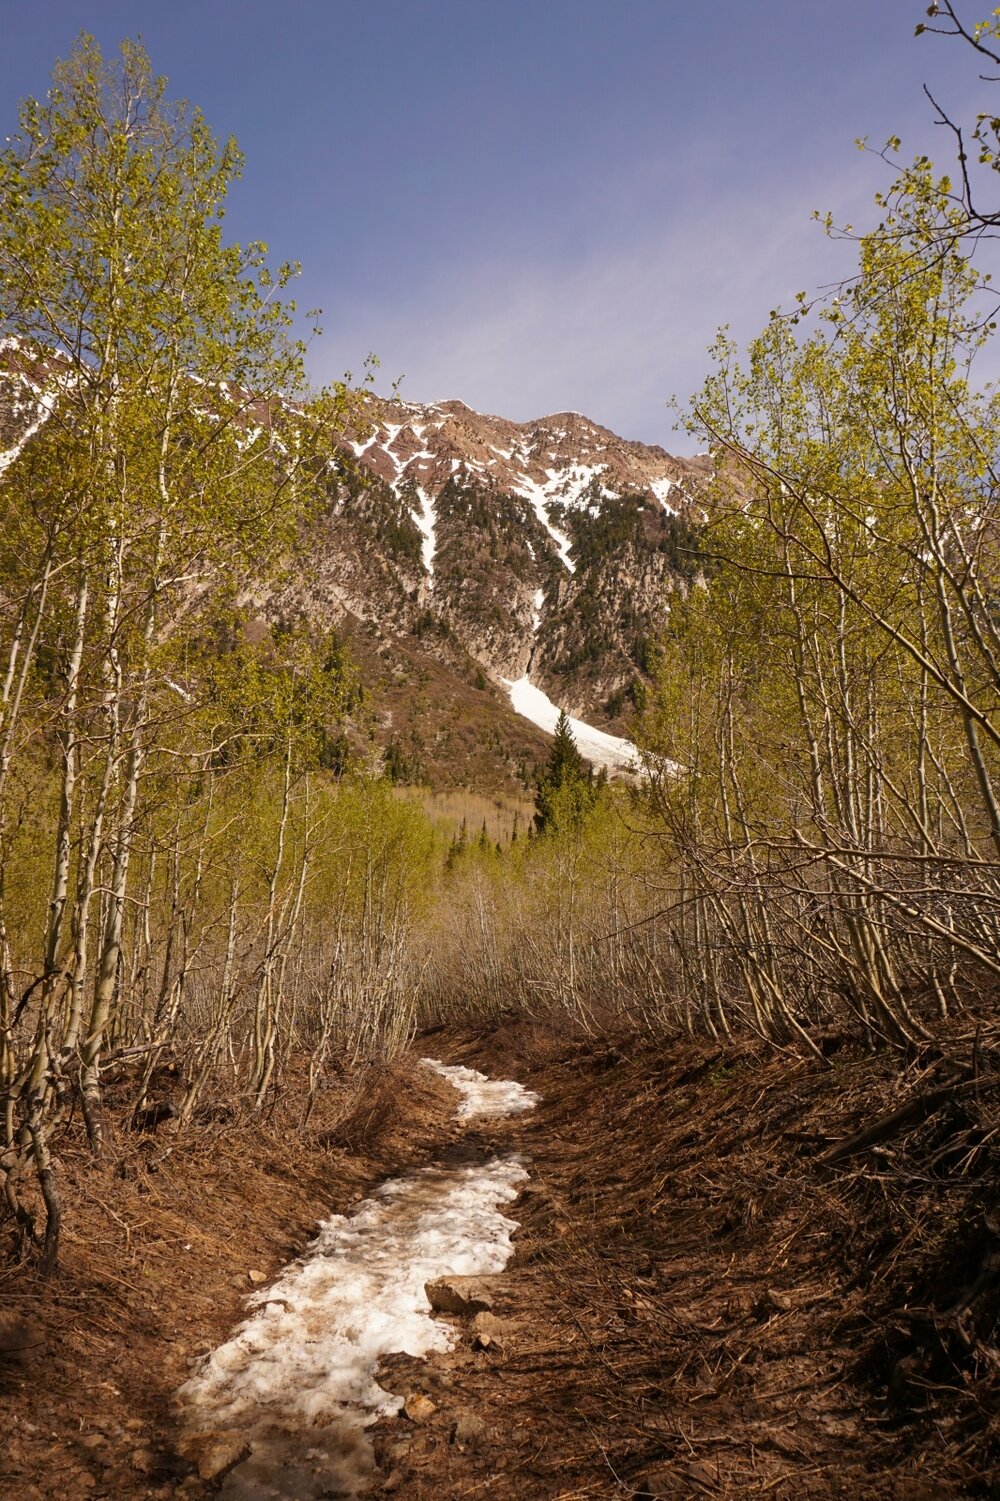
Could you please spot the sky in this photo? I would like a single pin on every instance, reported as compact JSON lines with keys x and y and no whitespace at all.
{"x":537,"y":205}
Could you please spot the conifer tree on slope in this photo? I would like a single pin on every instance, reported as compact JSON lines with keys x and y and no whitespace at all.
{"x":565,"y":791}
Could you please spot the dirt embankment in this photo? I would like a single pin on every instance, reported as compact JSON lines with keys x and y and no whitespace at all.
{"x":738,"y":1273}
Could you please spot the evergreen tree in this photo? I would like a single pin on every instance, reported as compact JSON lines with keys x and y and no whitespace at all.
{"x":564,"y":792}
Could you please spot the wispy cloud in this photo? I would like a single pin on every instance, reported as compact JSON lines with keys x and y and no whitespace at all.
{"x":616,"y":333}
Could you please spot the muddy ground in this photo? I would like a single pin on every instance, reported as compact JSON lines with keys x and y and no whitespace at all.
{"x":738,"y":1273}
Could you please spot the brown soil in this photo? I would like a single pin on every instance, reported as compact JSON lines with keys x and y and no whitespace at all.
{"x":737,"y":1273}
{"x":700,"y":1305}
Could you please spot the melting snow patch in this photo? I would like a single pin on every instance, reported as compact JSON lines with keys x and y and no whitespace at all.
{"x":661,"y":488}
{"x":538,"y":496}
{"x":536,"y":612}
{"x":43,"y":405}
{"x":569,"y":484}
{"x":424,"y":520}
{"x":297,"y":1379}
{"x":596,"y":745}
{"x":296,"y":1382}
{"x":483,"y":1096}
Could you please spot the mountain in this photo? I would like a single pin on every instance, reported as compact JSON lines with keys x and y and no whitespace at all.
{"x":484,"y":572}
{"x":539,"y":554}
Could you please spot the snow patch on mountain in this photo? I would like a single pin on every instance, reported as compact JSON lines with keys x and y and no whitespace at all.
{"x":42,"y":404}
{"x":425,"y":519}
{"x":661,"y":488}
{"x":536,"y":610}
{"x":423,"y":515}
{"x":597,"y":746}
{"x":568,"y":485}
{"x":537,"y":496}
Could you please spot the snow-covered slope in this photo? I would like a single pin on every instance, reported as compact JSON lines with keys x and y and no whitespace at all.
{"x":597,"y":746}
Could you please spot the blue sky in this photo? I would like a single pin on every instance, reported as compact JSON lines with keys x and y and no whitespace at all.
{"x":536,"y":204}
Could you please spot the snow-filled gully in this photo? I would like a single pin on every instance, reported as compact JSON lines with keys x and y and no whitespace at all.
{"x":296,"y":1381}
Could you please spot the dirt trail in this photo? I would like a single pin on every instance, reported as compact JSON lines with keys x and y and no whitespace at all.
{"x":736,"y":1274}
{"x":159,"y":1252}
{"x":282,"y":1407}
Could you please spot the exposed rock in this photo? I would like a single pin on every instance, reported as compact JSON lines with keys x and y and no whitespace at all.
{"x":474,"y":548}
{"x":418,"y":1408}
{"x":256,"y":1278}
{"x":392,"y":1454}
{"x":771,"y":1302}
{"x":222,"y":1454}
{"x":468,"y":1431}
{"x":463,"y":1295}
{"x":488,"y":1329}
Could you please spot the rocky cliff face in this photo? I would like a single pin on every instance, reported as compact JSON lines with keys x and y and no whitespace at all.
{"x":547,"y":548}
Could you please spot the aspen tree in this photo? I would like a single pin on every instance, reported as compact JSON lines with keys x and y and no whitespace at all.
{"x":838,"y":811}
{"x":163,"y":467}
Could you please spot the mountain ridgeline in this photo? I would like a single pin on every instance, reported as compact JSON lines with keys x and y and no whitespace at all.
{"x":465,"y":552}
{"x":549,"y":546}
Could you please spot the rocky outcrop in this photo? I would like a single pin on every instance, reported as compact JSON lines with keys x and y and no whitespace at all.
{"x":550,"y":547}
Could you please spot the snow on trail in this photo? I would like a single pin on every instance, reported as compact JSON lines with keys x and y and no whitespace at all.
{"x":483,"y":1096}
{"x":297,"y":1379}
{"x":595,"y":745}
